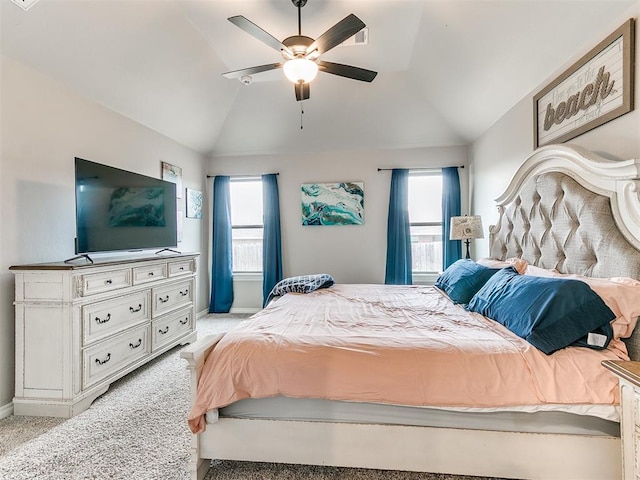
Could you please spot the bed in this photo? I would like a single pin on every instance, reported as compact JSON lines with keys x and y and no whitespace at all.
{"x":565,"y":209}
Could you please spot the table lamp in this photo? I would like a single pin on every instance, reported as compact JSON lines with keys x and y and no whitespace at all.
{"x":466,"y":228}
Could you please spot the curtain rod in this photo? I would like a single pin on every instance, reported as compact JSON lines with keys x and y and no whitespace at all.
{"x":247,"y":175}
{"x":433,"y":169}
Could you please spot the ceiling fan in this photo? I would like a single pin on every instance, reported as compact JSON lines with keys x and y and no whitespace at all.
{"x":301,"y":54}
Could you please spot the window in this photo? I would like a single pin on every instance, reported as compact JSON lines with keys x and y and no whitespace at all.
{"x":425,"y":218}
{"x":246,"y":223}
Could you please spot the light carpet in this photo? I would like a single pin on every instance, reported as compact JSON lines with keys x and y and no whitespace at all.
{"x":138,"y":431}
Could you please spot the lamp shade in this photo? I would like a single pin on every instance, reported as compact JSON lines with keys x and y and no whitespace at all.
{"x":300,"y":70}
{"x":466,"y":228}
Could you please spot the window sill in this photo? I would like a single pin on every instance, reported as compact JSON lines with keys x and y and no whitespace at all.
{"x":247,"y":276}
{"x":425,"y":278}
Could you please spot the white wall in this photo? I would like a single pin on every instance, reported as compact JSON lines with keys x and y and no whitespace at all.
{"x":44,"y":126}
{"x":351,"y":254}
{"x":496,"y":155}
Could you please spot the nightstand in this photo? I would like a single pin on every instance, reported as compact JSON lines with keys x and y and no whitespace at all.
{"x":628,"y":374}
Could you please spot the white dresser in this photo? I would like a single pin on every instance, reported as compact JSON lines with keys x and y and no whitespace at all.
{"x":80,"y":327}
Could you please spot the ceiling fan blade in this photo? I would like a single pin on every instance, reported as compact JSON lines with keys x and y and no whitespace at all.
{"x":345,"y":28}
{"x":257,"y":32}
{"x":251,"y":70}
{"x":302,"y":91}
{"x":356,"y":73}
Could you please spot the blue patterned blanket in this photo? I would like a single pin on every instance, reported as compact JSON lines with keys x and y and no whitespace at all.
{"x":301,"y":284}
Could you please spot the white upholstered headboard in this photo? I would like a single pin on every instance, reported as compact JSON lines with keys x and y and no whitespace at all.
{"x":572,"y":210}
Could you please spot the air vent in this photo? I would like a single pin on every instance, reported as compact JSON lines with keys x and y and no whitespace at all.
{"x":360,"y":38}
{"x":25,"y":4}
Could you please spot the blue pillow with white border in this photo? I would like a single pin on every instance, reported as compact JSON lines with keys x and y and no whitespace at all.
{"x":549,"y":312}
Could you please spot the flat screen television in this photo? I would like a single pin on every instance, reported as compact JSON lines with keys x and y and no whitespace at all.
{"x":118,"y":210}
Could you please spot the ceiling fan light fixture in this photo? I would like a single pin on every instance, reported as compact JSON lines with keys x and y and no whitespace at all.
{"x":300,"y":70}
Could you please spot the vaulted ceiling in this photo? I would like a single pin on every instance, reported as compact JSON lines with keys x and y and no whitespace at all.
{"x":448,"y":69}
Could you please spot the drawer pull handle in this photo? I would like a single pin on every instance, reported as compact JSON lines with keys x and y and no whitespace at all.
{"x":108,"y":281}
{"x":150,"y":274}
{"x":164,"y":300}
{"x":132,"y":346}
{"x":181,"y":268}
{"x":102,"y":362}
{"x":185,"y":321}
{"x":184,"y":293}
{"x":165,"y":331}
{"x":99,"y":321}
{"x":134,"y":310}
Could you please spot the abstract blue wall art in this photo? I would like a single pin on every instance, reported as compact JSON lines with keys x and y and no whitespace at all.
{"x":333,"y":203}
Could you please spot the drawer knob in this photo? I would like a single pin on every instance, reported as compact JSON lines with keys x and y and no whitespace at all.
{"x":164,"y":331}
{"x":185,"y":321}
{"x":164,"y":300}
{"x":108,"y":281}
{"x":100,"y":321}
{"x":102,"y":362}
{"x":181,"y":268}
{"x":132,"y":346}
{"x":184,"y":293}
{"x":134,"y":310}
{"x":150,"y":274}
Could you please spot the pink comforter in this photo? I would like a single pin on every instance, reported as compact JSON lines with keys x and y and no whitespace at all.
{"x":406,"y":345}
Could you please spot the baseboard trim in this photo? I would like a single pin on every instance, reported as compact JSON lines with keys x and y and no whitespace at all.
{"x":233,"y":311}
{"x":6,"y":410}
{"x":244,"y":310}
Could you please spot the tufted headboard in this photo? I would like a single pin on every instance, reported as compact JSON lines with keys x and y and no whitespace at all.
{"x":572,"y":210}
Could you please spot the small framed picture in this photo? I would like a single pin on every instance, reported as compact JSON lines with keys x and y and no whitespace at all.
{"x":194,"y":203}
{"x":173,"y":174}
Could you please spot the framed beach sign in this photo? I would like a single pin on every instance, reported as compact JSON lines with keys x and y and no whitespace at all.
{"x":333,"y":203}
{"x":593,"y":91}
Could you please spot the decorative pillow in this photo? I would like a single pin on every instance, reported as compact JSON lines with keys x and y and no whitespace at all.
{"x":463,"y":279}
{"x":301,"y":284}
{"x":519,"y":263}
{"x":550,"y":313}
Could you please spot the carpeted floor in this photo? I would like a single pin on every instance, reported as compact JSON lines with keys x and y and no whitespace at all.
{"x":137,"y":431}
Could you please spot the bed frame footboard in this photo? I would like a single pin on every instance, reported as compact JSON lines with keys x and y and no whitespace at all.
{"x":195,"y":356}
{"x":423,"y":449}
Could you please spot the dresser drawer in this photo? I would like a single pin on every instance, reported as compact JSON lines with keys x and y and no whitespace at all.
{"x":149,"y":273}
{"x":106,"y":358}
{"x":105,"y":318}
{"x":93,"y":283}
{"x":171,"y":297}
{"x":182,"y":267}
{"x":171,"y":326}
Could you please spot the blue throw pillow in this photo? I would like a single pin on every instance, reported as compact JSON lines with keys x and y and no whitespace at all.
{"x":550,"y":313}
{"x":463,"y":279}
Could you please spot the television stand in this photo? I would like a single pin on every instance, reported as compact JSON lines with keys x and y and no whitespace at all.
{"x":81,"y":326}
{"x":168,"y":250}
{"x":78,"y":257}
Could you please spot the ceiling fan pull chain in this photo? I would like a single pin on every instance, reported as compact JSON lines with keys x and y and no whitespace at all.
{"x":301,"y":114}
